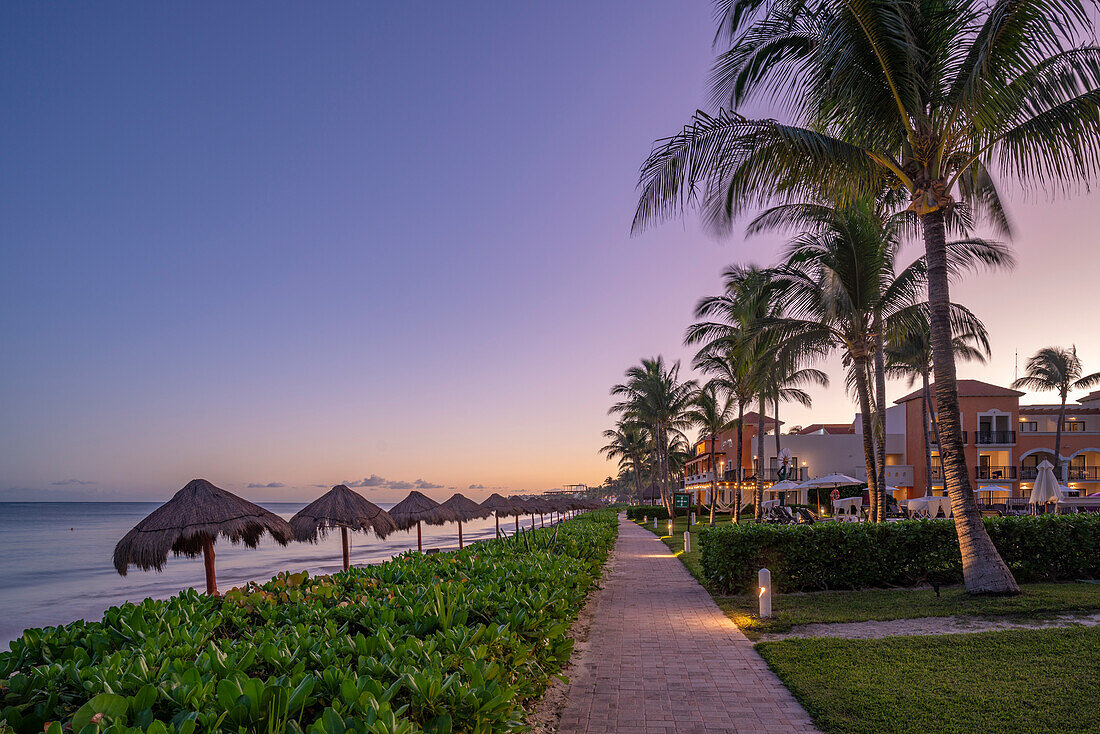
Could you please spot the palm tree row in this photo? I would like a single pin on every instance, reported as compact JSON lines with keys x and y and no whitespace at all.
{"x":904,"y":104}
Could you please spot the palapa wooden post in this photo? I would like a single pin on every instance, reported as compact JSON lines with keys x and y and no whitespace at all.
{"x":419,"y":540}
{"x":517,"y":523}
{"x":344,"y":538}
{"x":497,"y":516}
{"x":208,"y":561}
{"x":460,"y":535}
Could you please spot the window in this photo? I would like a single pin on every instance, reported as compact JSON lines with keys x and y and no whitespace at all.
{"x":1029,"y":427}
{"x":1073,"y":427}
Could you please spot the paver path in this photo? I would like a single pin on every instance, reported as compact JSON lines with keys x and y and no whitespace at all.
{"x":662,"y":657}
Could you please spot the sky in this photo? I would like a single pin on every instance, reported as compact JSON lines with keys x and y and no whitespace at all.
{"x":282,"y":246}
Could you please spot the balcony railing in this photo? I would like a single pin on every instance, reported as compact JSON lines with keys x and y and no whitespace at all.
{"x":1084,"y":473}
{"x":932,"y":438}
{"x":993,"y":473}
{"x":986,"y":438}
{"x":985,"y":473}
{"x":795,"y":474}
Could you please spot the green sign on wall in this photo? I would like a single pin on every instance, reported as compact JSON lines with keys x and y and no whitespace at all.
{"x":681,"y":501}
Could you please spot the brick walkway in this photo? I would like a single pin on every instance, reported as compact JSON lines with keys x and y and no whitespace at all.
{"x":662,"y":657}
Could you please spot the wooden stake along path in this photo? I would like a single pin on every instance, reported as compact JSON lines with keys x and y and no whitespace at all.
{"x":663,"y":658}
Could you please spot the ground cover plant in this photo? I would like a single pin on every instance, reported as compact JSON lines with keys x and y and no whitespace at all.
{"x":835,"y":556}
{"x":988,"y":683}
{"x":450,"y":642}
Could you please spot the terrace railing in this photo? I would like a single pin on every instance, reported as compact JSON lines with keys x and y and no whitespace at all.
{"x":995,"y":472}
{"x":987,"y":438}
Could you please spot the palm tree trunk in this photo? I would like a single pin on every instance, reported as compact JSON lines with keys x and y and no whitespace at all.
{"x":714,"y":472}
{"x":924,"y":399}
{"x":880,"y":412}
{"x":735,"y":515}
{"x":662,"y":450}
{"x":1058,"y":441}
{"x":860,"y":367}
{"x":637,"y":484}
{"x":984,"y":571}
{"x":758,"y":492}
{"x":776,"y":417}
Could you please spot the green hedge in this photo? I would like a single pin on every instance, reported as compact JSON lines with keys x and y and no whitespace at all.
{"x":422,"y":643}
{"x":862,"y":555}
{"x":637,"y":512}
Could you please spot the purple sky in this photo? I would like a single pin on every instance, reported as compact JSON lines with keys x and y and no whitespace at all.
{"x":294,"y":245}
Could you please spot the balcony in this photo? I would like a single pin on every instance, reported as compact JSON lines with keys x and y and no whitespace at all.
{"x":1084,"y":473}
{"x":999,"y":438}
{"x":995,"y":473}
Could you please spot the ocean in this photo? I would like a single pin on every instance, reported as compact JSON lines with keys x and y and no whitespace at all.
{"x":55,"y":559}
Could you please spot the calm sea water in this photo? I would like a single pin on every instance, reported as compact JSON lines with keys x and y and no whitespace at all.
{"x":55,"y":559}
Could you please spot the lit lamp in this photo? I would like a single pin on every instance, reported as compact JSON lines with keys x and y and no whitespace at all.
{"x":764,"y":580}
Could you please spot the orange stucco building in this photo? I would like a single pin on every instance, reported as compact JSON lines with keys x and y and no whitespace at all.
{"x":1004,"y":441}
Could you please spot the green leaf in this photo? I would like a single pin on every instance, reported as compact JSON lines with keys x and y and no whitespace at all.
{"x":112,"y":707}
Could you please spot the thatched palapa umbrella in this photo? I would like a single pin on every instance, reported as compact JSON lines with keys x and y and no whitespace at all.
{"x":500,"y":507}
{"x":466,"y":509}
{"x":342,"y":508}
{"x":190,"y":522}
{"x":530,"y":505}
{"x":418,"y":508}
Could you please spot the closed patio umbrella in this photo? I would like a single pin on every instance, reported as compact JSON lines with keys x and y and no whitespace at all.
{"x":190,"y":522}
{"x":1045,"y":490}
{"x":342,"y":508}
{"x":418,"y":508}
{"x":466,"y":509}
{"x":500,"y":507}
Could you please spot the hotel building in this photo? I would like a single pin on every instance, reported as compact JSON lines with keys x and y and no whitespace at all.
{"x":1004,"y":442}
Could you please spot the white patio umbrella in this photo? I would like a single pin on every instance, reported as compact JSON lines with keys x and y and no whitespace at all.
{"x":993,"y":489}
{"x":1046,"y":486}
{"x":787,"y":486}
{"x":829,"y":481}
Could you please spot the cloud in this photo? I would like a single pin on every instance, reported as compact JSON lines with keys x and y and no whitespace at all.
{"x":372,"y":481}
{"x":269,"y":485}
{"x":322,"y":486}
{"x":376,"y":482}
{"x":73,"y":483}
{"x":476,"y":486}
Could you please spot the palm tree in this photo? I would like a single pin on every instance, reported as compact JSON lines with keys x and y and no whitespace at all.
{"x":655,"y":396}
{"x":785,"y":380}
{"x":736,"y":372}
{"x":1055,"y":368}
{"x":918,"y":98}
{"x":841,"y":280}
{"x":737,"y":348}
{"x":909,"y":355}
{"x":713,"y":413}
{"x":629,"y":443}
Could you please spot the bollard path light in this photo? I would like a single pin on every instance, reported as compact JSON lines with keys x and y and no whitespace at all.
{"x":764,"y":579}
{"x":687,"y":541}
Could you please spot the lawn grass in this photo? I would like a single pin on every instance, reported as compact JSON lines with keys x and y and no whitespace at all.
{"x":692,"y":561}
{"x":996,"y":682}
{"x":1036,"y":601}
